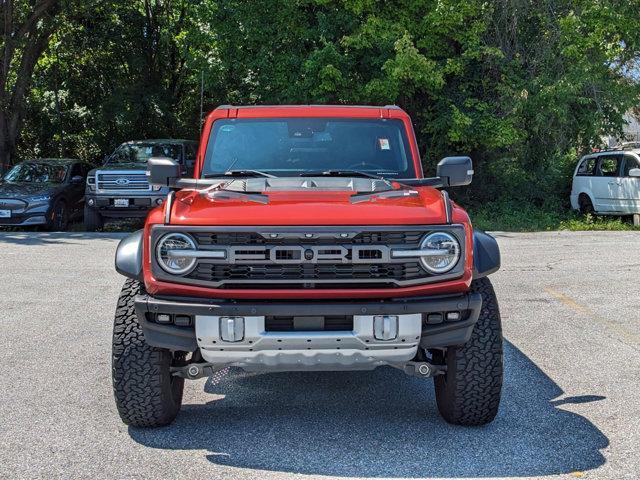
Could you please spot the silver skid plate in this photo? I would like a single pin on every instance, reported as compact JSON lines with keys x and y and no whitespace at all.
{"x":259,"y":350}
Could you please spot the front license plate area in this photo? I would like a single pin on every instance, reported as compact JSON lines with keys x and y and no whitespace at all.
{"x":5,"y":213}
{"x":120,"y":202}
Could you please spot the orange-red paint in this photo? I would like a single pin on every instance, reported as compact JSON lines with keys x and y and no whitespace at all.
{"x":309,"y":208}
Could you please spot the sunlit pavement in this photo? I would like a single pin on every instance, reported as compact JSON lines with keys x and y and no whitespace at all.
{"x":571,"y":408}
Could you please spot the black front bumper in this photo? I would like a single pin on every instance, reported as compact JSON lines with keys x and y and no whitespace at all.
{"x":138,"y":206}
{"x":433,"y":335}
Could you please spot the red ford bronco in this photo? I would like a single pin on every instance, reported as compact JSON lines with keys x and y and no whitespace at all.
{"x":308,"y":239}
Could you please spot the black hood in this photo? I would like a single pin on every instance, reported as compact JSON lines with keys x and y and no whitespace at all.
{"x":21,"y":190}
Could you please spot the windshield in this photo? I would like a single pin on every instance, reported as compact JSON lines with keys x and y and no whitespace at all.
{"x":292,"y":146}
{"x":141,"y":152}
{"x":37,"y":173}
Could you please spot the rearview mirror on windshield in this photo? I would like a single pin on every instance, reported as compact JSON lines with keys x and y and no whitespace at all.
{"x":163,"y":171}
{"x":455,"y":171}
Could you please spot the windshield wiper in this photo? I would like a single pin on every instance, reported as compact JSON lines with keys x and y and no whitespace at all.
{"x":384,"y":194}
{"x":239,"y":173}
{"x":340,"y":173}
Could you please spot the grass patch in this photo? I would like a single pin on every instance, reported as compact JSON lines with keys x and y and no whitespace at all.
{"x":509,"y":217}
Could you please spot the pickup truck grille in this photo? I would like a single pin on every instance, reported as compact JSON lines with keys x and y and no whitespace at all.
{"x":108,"y":181}
{"x":306,"y":257}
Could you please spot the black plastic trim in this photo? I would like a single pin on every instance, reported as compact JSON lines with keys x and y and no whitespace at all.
{"x":486,"y":254}
{"x":181,"y":338}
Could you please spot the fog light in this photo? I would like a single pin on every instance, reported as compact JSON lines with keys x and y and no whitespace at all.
{"x":434,"y":318}
{"x":159,"y":201}
{"x":385,"y":327}
{"x":182,"y":320}
{"x":163,"y":318}
{"x":231,"y":329}
{"x":91,"y":202}
{"x":453,"y":316}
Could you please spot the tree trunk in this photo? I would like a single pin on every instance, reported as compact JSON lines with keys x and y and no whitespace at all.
{"x":22,"y":47}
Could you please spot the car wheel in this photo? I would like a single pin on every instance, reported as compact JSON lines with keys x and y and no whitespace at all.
{"x":586,"y":205}
{"x":92,"y":220}
{"x":59,"y":217}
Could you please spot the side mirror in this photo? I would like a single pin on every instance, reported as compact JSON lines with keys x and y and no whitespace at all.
{"x":455,"y":171}
{"x":163,"y":171}
{"x":77,"y":179}
{"x":634,"y":172}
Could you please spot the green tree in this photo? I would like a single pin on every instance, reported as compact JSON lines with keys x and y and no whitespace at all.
{"x":521,"y":86}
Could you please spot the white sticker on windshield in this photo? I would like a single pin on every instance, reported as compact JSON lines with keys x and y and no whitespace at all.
{"x":384,"y":144}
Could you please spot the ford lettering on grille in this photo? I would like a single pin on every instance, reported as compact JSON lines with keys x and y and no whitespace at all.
{"x":307,"y":254}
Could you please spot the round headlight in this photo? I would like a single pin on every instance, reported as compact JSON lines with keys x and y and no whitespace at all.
{"x":168,"y":253}
{"x":444,"y":254}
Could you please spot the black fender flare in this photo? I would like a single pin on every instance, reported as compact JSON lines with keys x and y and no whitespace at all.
{"x":129,"y":256}
{"x":486,"y":254}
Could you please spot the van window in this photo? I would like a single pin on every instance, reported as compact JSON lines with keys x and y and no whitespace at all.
{"x":587,"y":167}
{"x":629,"y":163}
{"x":609,"y":166}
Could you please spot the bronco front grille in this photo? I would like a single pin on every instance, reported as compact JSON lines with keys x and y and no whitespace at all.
{"x":109,"y":181}
{"x":306,"y":273}
{"x":307,"y":257}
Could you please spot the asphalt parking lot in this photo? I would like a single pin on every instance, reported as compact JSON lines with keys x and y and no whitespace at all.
{"x":571,"y":401}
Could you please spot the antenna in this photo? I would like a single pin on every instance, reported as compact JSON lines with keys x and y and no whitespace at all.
{"x":201,"y":99}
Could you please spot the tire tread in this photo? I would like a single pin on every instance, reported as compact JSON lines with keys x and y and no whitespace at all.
{"x":469,"y":393}
{"x":140,"y":372}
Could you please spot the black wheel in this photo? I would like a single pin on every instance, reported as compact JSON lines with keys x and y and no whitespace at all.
{"x":58,"y":220}
{"x":146,"y":393}
{"x":586,"y":205}
{"x":92,"y":220}
{"x":469,"y":392}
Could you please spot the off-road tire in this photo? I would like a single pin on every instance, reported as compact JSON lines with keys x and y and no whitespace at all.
{"x":92,"y":220}
{"x":469,"y":392}
{"x":146,"y":393}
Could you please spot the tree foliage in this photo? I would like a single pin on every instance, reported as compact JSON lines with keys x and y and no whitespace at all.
{"x":523,"y":86}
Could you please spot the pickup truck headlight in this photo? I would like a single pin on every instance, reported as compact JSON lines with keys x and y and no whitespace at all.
{"x":168,"y":253}
{"x":444,"y":252}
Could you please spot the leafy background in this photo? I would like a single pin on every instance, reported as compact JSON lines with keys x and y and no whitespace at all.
{"x":523,"y":86}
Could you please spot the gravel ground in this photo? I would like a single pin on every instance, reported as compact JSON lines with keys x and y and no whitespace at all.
{"x":570,"y":404}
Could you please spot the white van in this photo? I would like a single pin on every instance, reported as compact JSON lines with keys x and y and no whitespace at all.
{"x":608,"y":183}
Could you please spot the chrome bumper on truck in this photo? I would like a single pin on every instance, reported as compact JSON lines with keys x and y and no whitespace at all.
{"x":283,"y":336}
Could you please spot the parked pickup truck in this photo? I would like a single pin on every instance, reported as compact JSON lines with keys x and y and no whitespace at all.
{"x":119,"y":189}
{"x":308,"y":239}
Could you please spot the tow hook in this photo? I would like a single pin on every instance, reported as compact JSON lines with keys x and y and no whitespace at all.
{"x":193,"y":371}
{"x":423,"y":369}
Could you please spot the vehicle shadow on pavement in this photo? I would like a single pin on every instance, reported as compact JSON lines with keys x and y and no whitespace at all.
{"x":382,"y":424}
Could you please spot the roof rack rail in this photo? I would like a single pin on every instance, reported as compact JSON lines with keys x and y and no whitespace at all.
{"x":622,"y":147}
